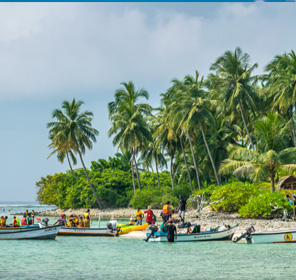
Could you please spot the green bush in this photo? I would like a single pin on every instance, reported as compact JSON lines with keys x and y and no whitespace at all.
{"x":260,"y":207}
{"x":235,"y":195}
{"x":154,"y":197}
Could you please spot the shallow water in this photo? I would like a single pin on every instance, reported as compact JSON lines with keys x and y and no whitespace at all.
{"x":131,"y":258}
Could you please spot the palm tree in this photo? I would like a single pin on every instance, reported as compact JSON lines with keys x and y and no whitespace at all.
{"x":73,"y":131}
{"x":271,"y":155}
{"x":233,"y":83}
{"x":192,"y":110}
{"x":281,"y":84}
{"x":128,"y":121}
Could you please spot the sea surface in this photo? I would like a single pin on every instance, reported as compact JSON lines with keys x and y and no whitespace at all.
{"x":131,"y":258}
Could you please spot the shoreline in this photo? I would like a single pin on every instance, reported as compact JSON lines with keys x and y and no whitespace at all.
{"x":205,"y":219}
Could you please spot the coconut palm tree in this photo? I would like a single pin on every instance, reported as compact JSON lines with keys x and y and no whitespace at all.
{"x":271,"y":155}
{"x":234,"y":84}
{"x":128,"y":122}
{"x":73,"y":131}
{"x":281,"y":85}
{"x":192,"y":110}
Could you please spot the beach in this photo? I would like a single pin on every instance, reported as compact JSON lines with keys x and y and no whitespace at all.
{"x":206,"y":219}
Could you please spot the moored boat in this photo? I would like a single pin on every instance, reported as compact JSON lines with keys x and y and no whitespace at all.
{"x":76,"y":231}
{"x":276,"y":236}
{"x":194,"y":237}
{"x":33,"y":233}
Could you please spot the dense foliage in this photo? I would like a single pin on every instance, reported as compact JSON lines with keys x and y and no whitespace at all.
{"x":231,"y":125}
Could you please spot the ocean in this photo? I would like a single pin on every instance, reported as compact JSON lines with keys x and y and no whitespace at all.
{"x":131,"y":258}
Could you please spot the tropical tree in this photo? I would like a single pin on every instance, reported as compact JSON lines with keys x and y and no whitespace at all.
{"x":128,"y":121}
{"x":281,"y":85}
{"x":193,"y":110}
{"x":73,"y":131}
{"x":234,"y":84}
{"x":271,"y":155}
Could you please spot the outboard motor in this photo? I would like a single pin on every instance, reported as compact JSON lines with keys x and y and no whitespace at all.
{"x":246,"y":235}
{"x":153,"y":229}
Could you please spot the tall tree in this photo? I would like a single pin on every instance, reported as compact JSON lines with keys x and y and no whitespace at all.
{"x":128,"y":121}
{"x":73,"y":131}
{"x":233,"y":82}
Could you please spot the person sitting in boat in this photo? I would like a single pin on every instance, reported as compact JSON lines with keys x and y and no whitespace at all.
{"x":27,"y":212}
{"x":80,"y":222}
{"x":29,"y":219}
{"x":15,"y":222}
{"x":62,"y":221}
{"x":5,"y":220}
{"x":71,"y":221}
{"x":139,"y":216}
{"x":163,"y":228}
{"x":150,"y":216}
{"x":196,"y":229}
{"x":33,"y":212}
{"x":2,"y":221}
{"x":87,"y":219}
{"x":24,"y":220}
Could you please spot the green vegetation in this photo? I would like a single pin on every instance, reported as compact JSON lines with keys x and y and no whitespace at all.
{"x":228,"y":131}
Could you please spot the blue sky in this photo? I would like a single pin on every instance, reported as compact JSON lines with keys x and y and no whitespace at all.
{"x":51,"y":52}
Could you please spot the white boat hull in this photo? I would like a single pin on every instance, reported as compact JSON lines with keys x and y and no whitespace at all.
{"x":279,"y":236}
{"x":73,"y":231}
{"x":39,"y":233}
{"x":194,"y":237}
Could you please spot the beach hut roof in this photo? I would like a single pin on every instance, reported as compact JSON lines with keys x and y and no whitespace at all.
{"x":287,"y":183}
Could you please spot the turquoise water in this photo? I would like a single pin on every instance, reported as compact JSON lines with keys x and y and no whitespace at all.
{"x":127,"y":258}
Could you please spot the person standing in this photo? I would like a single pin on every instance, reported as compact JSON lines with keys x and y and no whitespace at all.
{"x":171,"y":230}
{"x":166,"y":211}
{"x":87,"y":219}
{"x":140,"y":216}
{"x":182,"y":209}
{"x":149,"y":216}
{"x":62,"y":221}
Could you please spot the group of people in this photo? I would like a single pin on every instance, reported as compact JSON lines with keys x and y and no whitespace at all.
{"x":168,"y":218}
{"x":74,"y":221}
{"x":27,"y":219}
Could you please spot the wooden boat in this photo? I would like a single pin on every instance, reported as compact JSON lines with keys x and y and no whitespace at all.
{"x":276,"y":236}
{"x":76,"y":231}
{"x":193,"y":237}
{"x":35,"y":233}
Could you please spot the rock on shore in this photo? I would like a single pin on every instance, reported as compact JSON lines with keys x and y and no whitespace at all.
{"x":205,"y":219}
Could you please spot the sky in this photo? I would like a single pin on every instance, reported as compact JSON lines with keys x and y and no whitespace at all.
{"x":51,"y":52}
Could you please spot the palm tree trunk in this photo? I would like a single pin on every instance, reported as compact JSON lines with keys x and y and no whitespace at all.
{"x":137,"y":172}
{"x":171,"y":172}
{"x":157,"y":172}
{"x":188,"y":173}
{"x":272,"y":182}
{"x":194,"y":161}
{"x":91,"y":186}
{"x":209,"y":153}
{"x":71,"y":166}
{"x":133,"y":176}
{"x":243,"y":117}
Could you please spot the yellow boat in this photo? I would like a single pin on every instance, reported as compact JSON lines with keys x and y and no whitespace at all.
{"x":124,"y":230}
{"x":139,"y":227}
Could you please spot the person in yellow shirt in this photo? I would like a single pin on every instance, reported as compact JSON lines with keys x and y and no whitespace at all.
{"x":87,"y":219}
{"x":80,"y":222}
{"x":140,"y":216}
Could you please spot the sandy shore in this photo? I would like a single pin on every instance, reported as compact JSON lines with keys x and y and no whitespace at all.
{"x":205,"y":219}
